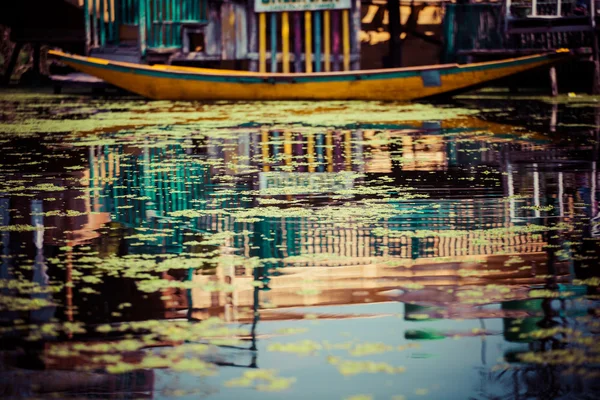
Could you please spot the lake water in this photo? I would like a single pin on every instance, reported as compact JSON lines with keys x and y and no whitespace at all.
{"x":342,"y":250}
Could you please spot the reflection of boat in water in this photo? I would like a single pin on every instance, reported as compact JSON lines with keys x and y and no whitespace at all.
{"x":184,"y":83}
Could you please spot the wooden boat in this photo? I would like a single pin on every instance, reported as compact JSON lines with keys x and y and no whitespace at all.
{"x":168,"y":82}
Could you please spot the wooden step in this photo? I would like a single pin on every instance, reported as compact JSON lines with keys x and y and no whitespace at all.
{"x":129,"y":54}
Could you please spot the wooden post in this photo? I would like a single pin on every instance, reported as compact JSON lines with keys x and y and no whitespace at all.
{"x":111,"y":25}
{"x":507,"y":16}
{"x":102,"y":13}
{"x":317,"y":26}
{"x":262,"y":42}
{"x":159,"y":17}
{"x":595,"y":55}
{"x":346,"y":38}
{"x":395,"y":28}
{"x":335,"y":15}
{"x":37,"y":48}
{"x":449,"y":31}
{"x":86,"y":23}
{"x":327,"y":40}
{"x":14,"y":57}
{"x":95,"y":22}
{"x":297,"y":41}
{"x":285,"y":42}
{"x":142,"y":28}
{"x":307,"y":42}
{"x":273,"y":42}
{"x":252,"y":35}
{"x":553,"y":83}
{"x":354,"y":39}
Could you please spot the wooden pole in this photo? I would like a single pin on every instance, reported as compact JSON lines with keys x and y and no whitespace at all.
{"x":346,"y":38}
{"x":12,"y":63}
{"x":88,"y":28}
{"x":262,"y":42}
{"x":142,"y":27}
{"x":354,"y":39}
{"x":595,"y":55}
{"x":307,"y":42}
{"x":252,"y":35}
{"x":95,"y":22}
{"x":335,"y":15}
{"x":273,"y":42}
{"x":317,"y":26}
{"x":285,"y":42}
{"x":395,"y":28}
{"x":327,"y":40}
{"x":553,"y":83}
{"x":297,"y":41}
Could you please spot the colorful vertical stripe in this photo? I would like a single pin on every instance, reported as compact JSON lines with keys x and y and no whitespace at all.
{"x":317,"y":26}
{"x":273,"y":42}
{"x":335,"y":16}
{"x":298,"y":41}
{"x":285,"y":42}
{"x":262,"y":42}
{"x":307,"y":42}
{"x":327,"y":39}
{"x":346,"y":38}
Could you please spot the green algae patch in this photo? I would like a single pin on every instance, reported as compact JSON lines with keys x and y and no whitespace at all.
{"x":304,"y":347}
{"x":262,"y":380}
{"x":352,"y":367}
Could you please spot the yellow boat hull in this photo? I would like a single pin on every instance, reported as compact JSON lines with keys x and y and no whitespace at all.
{"x":401,"y":84}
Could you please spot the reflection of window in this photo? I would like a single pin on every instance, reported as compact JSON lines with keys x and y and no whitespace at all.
{"x":423,"y":153}
{"x":240,"y":270}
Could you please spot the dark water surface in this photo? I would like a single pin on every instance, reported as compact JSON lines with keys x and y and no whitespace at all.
{"x":344,"y":250}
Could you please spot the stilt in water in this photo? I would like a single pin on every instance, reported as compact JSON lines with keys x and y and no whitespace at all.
{"x":12,"y":63}
{"x":595,"y":56}
{"x":395,"y":29}
{"x":553,"y":82}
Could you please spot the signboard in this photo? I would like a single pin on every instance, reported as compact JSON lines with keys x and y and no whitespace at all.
{"x":277,"y":183}
{"x":299,"y":5}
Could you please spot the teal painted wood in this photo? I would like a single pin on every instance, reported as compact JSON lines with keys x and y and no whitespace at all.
{"x":101,"y":15}
{"x":111,"y":25}
{"x":449,"y":32}
{"x":317,"y":39}
{"x":148,"y":21}
{"x":273,"y":42}
{"x":158,"y":27}
{"x":142,"y":28}
{"x":94,"y":29}
{"x":180,"y":18}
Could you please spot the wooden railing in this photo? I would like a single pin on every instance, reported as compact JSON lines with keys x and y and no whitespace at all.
{"x":156,"y":24}
{"x":102,"y":21}
{"x":164,"y":20}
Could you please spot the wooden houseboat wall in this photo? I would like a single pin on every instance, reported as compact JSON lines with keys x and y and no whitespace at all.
{"x":227,"y":33}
